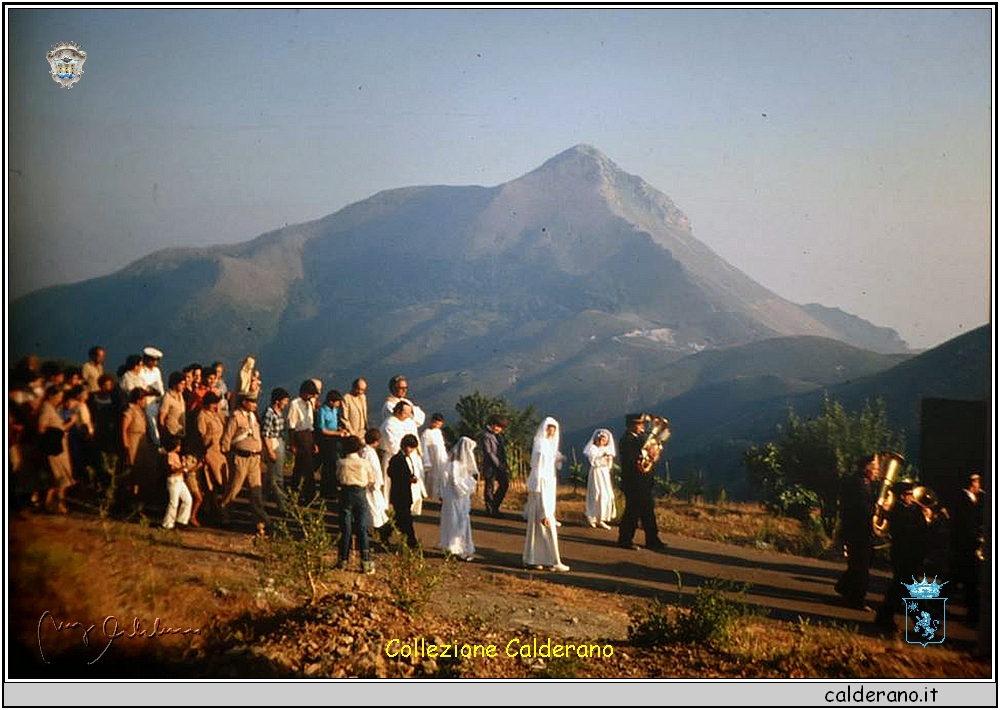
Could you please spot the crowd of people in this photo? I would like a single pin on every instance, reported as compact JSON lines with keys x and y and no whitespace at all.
{"x":928,"y":540}
{"x":185,"y":446}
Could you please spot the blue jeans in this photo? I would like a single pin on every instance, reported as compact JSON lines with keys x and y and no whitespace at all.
{"x":354,"y":518}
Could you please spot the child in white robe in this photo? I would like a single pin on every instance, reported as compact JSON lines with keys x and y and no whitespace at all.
{"x":541,"y":542}
{"x":457,"y":487}
{"x":600,"y":451}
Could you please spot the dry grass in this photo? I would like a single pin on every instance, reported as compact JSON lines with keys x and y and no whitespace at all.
{"x":211,"y":580}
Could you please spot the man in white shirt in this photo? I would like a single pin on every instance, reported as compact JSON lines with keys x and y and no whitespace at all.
{"x":152,"y":380}
{"x":301,"y":416}
{"x":398,"y":389}
{"x":150,"y":373}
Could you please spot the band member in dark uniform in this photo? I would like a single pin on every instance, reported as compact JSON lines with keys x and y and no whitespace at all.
{"x":637,"y":486}
{"x":857,"y":505}
{"x":909,"y":526}
{"x":967,"y":538}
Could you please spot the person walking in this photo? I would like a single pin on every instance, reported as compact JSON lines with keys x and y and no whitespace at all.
{"x":541,"y":541}
{"x":857,"y":505}
{"x":637,"y":485}
{"x":496,"y":474}
{"x":600,"y":452}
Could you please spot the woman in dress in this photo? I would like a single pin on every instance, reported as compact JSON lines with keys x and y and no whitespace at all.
{"x":139,"y":454}
{"x":541,"y":542}
{"x":456,"y":487}
{"x":600,"y":451}
{"x":54,"y":442}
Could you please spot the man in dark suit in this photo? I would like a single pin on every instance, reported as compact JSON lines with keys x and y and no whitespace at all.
{"x":857,"y":505}
{"x":909,"y":526}
{"x":637,"y":486}
{"x":401,"y":475}
{"x":967,"y":536}
{"x":495,"y":472}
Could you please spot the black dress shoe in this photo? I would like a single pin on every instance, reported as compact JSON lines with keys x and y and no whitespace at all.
{"x":656,"y":547}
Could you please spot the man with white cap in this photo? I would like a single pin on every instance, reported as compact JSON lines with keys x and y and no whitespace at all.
{"x":152,"y":380}
{"x":150,"y":374}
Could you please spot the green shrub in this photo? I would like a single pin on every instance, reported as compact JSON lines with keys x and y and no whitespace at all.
{"x":412,"y":579}
{"x":710,"y":619}
{"x":296,"y":553}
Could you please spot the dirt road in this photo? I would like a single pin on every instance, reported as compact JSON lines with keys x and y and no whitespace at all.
{"x":782,"y":586}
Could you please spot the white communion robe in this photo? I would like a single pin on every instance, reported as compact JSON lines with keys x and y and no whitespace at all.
{"x":457,"y":487}
{"x":393,"y":430}
{"x":418,"y":490}
{"x":435,"y":461}
{"x":541,"y":541}
{"x":600,"y":493}
{"x":390,"y":404}
{"x":378,"y":508}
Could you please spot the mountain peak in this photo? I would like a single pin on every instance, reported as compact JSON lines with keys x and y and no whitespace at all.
{"x":582,"y":160}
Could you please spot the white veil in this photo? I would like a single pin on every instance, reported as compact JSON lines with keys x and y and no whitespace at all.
{"x":463,"y":454}
{"x":542,"y":442}
{"x":592,"y":450}
{"x":463,"y":470}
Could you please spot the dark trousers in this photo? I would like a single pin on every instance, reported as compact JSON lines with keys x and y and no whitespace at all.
{"x":639,"y":509}
{"x":404,"y":522}
{"x":305,"y":465}
{"x":903,"y":569}
{"x":495,"y":489}
{"x":853,"y":584}
{"x":354,"y":519}
{"x":966,"y":575}
{"x":328,"y":455}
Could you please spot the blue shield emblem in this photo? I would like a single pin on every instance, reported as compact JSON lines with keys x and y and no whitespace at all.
{"x":66,"y":63}
{"x":925,"y":612}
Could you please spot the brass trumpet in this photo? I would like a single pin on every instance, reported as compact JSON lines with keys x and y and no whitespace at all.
{"x":659,"y":432}
{"x":890,"y":465}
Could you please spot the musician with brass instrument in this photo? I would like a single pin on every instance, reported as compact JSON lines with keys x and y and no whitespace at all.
{"x":637,"y":456}
{"x":857,"y":529}
{"x":967,"y":543}
{"x":909,"y":527}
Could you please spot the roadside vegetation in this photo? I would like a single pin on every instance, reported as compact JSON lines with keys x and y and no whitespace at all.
{"x":252,"y":622}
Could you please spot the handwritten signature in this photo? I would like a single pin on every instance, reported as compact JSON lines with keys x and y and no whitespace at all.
{"x":111,"y":632}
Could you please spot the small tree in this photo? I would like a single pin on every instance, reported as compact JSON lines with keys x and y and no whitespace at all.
{"x":476,"y":408}
{"x":803,"y":468}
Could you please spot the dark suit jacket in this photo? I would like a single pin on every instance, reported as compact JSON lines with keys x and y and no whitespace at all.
{"x":400,"y":474}
{"x":494,"y":452}
{"x":857,"y":505}
{"x":629,"y":455}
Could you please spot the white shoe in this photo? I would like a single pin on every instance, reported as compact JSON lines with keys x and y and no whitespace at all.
{"x":603,"y":525}
{"x":559,"y":568}
{"x":558,"y":524}
{"x":592,"y":523}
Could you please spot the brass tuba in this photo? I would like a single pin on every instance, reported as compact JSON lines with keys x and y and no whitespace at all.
{"x":659,"y":432}
{"x":890,"y":465}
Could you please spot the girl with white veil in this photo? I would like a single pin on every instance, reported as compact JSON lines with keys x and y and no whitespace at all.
{"x":600,"y":451}
{"x":457,"y":486}
{"x":541,"y":543}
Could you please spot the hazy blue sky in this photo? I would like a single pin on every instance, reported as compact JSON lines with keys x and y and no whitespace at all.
{"x":839,"y":156}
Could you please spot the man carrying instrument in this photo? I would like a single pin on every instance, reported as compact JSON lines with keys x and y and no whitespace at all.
{"x":637,"y":485}
{"x":909,"y":526}
{"x":857,"y":503}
